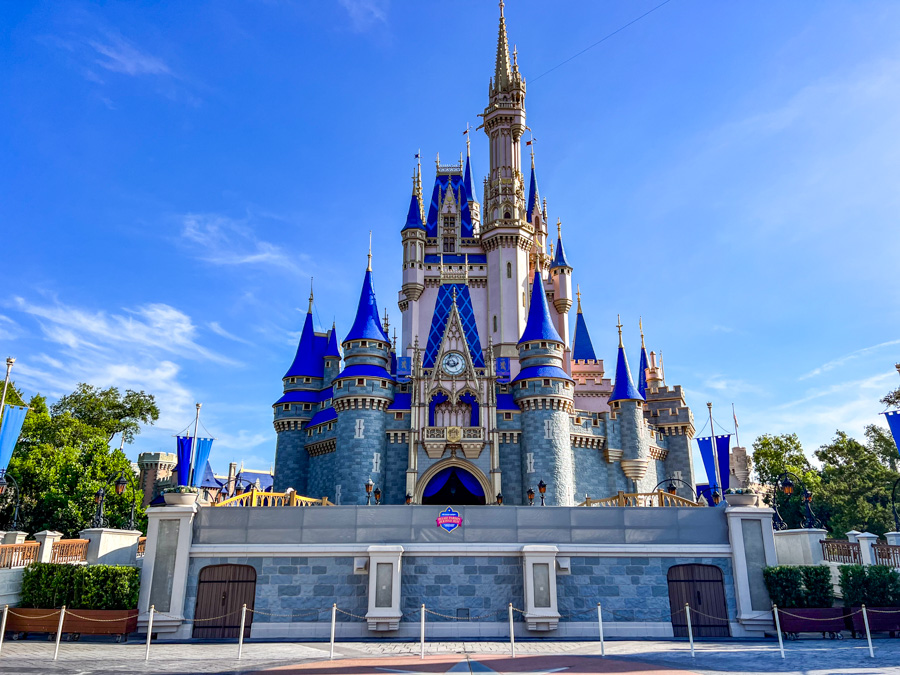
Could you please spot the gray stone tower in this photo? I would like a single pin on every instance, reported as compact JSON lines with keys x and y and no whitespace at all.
{"x":543,"y":391}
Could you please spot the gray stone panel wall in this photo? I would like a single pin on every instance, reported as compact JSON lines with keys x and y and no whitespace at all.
{"x":291,"y":461}
{"x":354,"y":457}
{"x":591,"y":473}
{"x":290,"y":589}
{"x":396,"y":463}
{"x":679,"y":458}
{"x":629,"y":589}
{"x":481,"y":584}
{"x":511,"y":473}
{"x":321,"y":478}
{"x":553,"y":462}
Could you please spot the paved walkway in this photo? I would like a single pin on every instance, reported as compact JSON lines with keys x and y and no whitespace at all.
{"x":804,"y":657}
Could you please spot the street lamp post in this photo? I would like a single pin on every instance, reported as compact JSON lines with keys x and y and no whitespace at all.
{"x":785,"y":483}
{"x":369,"y":486}
{"x":530,"y":494}
{"x":4,"y":477}
{"x":671,"y":488}
{"x":542,"y":488}
{"x":120,"y":482}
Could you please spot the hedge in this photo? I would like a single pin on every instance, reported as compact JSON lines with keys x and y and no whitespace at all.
{"x":51,"y":585}
{"x":872,"y":585}
{"x":792,"y":586}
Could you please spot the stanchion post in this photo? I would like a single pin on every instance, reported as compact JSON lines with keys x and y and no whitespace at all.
{"x":778,"y":630}
{"x":241,"y":636}
{"x":149,"y":632}
{"x":600,"y":626}
{"x":333,"y":619}
{"x":62,"y":616}
{"x":512,"y":636}
{"x":868,"y":634}
{"x":3,"y":625}
{"x":422,"y":630}
{"x":687,"y":613}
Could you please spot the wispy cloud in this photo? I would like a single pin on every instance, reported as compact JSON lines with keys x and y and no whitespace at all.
{"x":365,"y":14}
{"x":9,"y":329}
{"x":221,"y":240}
{"x":121,"y":56}
{"x":218,"y":330}
{"x":831,"y":365}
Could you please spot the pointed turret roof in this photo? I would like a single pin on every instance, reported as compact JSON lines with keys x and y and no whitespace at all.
{"x":623,"y":389}
{"x":540,"y":325}
{"x":307,"y":362}
{"x":502,"y":71}
{"x":367,"y":325}
{"x":333,"y":349}
{"x":642,"y":376}
{"x":582,"y":347}
{"x":414,"y":216}
{"x":534,"y":198}
{"x":468,"y":179}
{"x":560,"y":259}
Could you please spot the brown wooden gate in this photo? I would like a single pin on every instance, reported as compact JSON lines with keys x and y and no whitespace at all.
{"x":701,"y":587}
{"x":221,"y":592}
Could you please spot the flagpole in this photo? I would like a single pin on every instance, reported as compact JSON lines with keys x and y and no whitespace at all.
{"x":9,"y":364}
{"x":194,"y":446}
{"x":712,"y":438}
{"x":737,"y":439}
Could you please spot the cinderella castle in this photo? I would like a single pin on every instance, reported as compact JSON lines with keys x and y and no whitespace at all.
{"x":495,"y":397}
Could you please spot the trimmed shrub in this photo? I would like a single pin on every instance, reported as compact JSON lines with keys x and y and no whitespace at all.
{"x":51,"y":585}
{"x":785,"y":586}
{"x":853,"y":584}
{"x":882,"y":586}
{"x":818,"y":591}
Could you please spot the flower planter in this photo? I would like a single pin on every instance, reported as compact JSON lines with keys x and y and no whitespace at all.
{"x":180,"y":498}
{"x":881,"y":619}
{"x":119,"y":622}
{"x":740,"y":500}
{"x":813,"y":620}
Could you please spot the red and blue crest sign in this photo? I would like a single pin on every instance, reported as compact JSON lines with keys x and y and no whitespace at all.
{"x":449,"y":519}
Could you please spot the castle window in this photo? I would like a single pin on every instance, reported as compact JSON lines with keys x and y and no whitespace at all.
{"x":504,"y":388}
{"x":398,"y":416}
{"x":364,"y":343}
{"x":495,"y":323}
{"x":384,"y":384}
{"x":339,"y":384}
{"x":507,"y":215}
{"x":361,"y":382}
{"x":523,"y":385}
{"x":509,"y":270}
{"x":330,"y":426}
{"x":307,"y":380}
{"x":507,"y":416}
{"x":543,"y":345}
{"x":546,"y":383}
{"x":328,"y":364}
{"x":595,"y":423}
{"x":309,"y":433}
{"x":307,"y":406}
{"x":286,"y":406}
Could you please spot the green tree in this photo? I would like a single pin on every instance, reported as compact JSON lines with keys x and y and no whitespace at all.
{"x":775,"y":455}
{"x":892,"y":399}
{"x":63,"y":458}
{"x":856,"y":480}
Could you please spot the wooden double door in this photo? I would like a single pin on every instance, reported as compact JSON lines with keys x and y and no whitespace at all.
{"x":222,"y":591}
{"x":701,"y":587}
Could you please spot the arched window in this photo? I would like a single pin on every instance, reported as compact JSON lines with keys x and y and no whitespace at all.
{"x":509,"y":270}
{"x":507,"y":215}
{"x":495,"y":323}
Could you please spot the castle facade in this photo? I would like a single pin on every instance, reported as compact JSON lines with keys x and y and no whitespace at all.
{"x":492,"y":392}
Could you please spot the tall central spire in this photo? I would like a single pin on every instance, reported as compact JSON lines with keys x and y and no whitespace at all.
{"x":502,"y":71}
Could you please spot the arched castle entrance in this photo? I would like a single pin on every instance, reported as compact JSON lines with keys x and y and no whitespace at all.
{"x":453,"y":482}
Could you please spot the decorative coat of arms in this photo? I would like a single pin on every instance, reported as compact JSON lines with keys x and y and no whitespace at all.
{"x":454,"y":434}
{"x":449,"y":519}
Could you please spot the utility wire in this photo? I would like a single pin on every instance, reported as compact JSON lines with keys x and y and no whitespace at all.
{"x":603,"y":39}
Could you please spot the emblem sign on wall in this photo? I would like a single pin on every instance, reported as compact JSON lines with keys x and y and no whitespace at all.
{"x":449,"y":519}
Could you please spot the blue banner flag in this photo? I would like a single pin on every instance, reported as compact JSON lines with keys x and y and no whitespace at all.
{"x":723,"y":445}
{"x":184,"y":459}
{"x":13,"y":418}
{"x":706,"y":454}
{"x":893,"y":418}
{"x":204,"y":445}
{"x":404,"y":366}
{"x":503,"y":367}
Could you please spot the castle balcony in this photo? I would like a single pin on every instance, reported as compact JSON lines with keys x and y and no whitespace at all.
{"x":468,"y":439}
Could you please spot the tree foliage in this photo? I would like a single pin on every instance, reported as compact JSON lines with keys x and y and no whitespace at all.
{"x":776,"y":455}
{"x":63,"y":458}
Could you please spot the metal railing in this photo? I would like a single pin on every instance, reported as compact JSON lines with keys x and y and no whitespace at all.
{"x":841,"y":551}
{"x":886,"y":554}
{"x":257,"y":498}
{"x":658,"y":498}
{"x":142,"y":547}
{"x":18,"y":555}
{"x":69,"y":551}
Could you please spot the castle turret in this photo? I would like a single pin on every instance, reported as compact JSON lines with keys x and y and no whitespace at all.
{"x":332,"y":357}
{"x":414,"y":238}
{"x":362,"y":392}
{"x":642,"y":374}
{"x":561,"y":274}
{"x":627,"y":404}
{"x":302,"y":383}
{"x":543,"y":391}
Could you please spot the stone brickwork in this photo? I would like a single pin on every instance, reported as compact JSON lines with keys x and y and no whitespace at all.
{"x":291,"y":461}
{"x":629,"y":589}
{"x":553,"y":462}
{"x":355,"y":457}
{"x":321,"y":478}
{"x":591,"y":473}
{"x":290,"y":589}
{"x":480,"y":584}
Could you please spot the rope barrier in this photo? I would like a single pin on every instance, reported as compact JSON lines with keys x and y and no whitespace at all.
{"x":87,"y":618}
{"x":292,"y":615}
{"x":458,"y":618}
{"x":25,"y":616}
{"x":355,"y":616}
{"x":808,"y":618}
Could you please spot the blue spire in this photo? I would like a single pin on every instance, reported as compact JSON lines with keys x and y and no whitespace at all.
{"x":623,"y":389}
{"x":534,"y":197}
{"x":468,"y":179}
{"x":367,"y":325}
{"x":306,"y":362}
{"x":540,"y":325}
{"x":559,"y":260}
{"x":582,"y":347}
{"x":333,"y":349}
{"x":642,"y":376}
{"x":414,"y":217}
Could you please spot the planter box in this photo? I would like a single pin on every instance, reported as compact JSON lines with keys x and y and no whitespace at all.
{"x":180,"y":498}
{"x":115,"y":621}
{"x":814,"y":620}
{"x":740,"y":500}
{"x":880,"y":619}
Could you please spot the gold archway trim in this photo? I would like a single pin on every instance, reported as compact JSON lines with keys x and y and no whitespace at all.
{"x":459,"y":463}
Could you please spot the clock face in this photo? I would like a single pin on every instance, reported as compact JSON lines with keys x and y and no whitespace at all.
{"x":453,"y":363}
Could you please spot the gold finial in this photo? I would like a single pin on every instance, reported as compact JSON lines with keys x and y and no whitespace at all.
{"x":641,"y":327}
{"x":437,"y":159}
{"x":369,"y":265}
{"x":619,"y":326}
{"x":559,"y":228}
{"x":387,"y":322}
{"x":454,"y":295}
{"x":578,"y":295}
{"x":309,"y":309}
{"x":395,"y":338}
{"x":515,"y":56}
{"x":468,"y":149}
{"x":501,"y":7}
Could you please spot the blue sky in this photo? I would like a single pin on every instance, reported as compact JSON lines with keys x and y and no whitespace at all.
{"x":173,"y":174}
